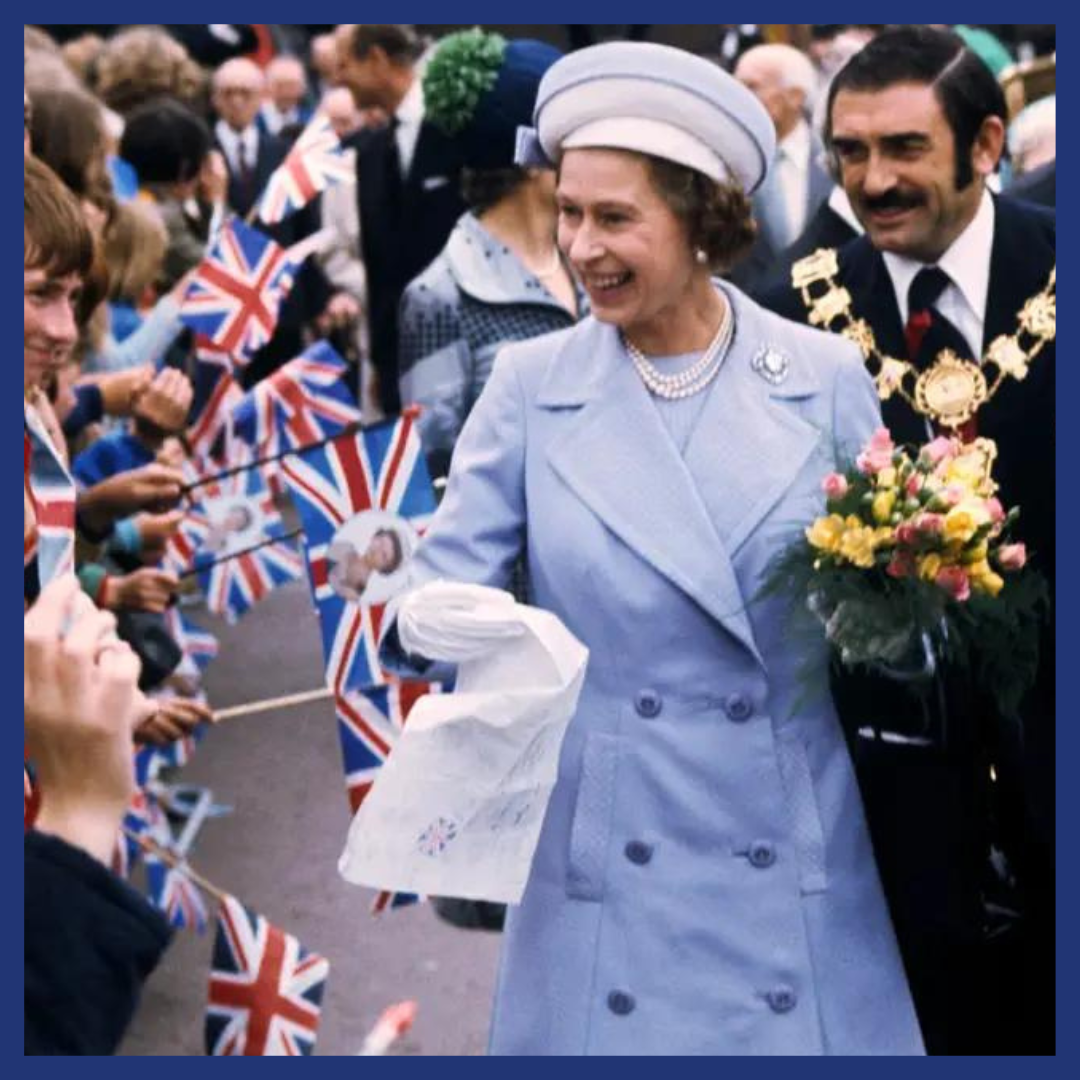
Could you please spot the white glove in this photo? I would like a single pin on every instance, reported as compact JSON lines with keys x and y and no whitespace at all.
{"x":449,"y":621}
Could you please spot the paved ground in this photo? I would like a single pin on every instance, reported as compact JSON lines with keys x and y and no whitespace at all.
{"x":278,"y":852}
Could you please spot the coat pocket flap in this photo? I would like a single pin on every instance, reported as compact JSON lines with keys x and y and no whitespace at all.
{"x":807,"y":833}
{"x":591,"y":827}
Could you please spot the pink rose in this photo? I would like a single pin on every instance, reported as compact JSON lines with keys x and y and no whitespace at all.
{"x":933,"y":453}
{"x":996,"y":511}
{"x":907,"y":535}
{"x":901,"y":565}
{"x":930,"y":524}
{"x":954,"y":580}
{"x":1011,"y":556}
{"x":835,"y":486}
{"x":878,"y":454}
{"x":913,"y":485}
{"x":954,"y":494}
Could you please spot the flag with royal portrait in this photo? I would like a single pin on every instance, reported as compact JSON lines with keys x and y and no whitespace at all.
{"x":364,"y":499}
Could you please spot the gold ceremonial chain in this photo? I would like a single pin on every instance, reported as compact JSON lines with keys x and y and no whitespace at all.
{"x":952,"y":389}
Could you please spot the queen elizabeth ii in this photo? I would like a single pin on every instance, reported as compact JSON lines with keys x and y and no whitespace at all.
{"x":704,"y":882}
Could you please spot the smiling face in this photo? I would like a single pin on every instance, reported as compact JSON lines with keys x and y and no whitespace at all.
{"x":49,"y":327}
{"x":383,"y":553}
{"x":897,"y":160}
{"x":626,"y":245}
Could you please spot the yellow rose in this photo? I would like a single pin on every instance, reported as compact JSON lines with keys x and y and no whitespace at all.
{"x":882,"y":506}
{"x":858,"y":545}
{"x":977,"y":554}
{"x":960,"y":525}
{"x":929,"y":566}
{"x":984,"y":579}
{"x":887,"y":477}
{"x":825,"y":533}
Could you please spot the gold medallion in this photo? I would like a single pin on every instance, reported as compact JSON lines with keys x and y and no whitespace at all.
{"x":951,"y":391}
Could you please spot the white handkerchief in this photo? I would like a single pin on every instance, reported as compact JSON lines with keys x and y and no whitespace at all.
{"x":458,"y":805}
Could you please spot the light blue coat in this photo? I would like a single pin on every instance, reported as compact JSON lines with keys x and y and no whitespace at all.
{"x":704,"y":882}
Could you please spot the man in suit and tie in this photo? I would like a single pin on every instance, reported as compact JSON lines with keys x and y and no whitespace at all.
{"x":409,"y":175}
{"x":251,"y":154}
{"x":916,"y":127}
{"x":285,"y":111}
{"x":784,"y":81}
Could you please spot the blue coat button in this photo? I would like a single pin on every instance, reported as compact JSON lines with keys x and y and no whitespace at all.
{"x":761,"y":854}
{"x":781,"y":999}
{"x":638,"y":852}
{"x":738,"y":708}
{"x":648,"y":703}
{"x":620,"y":1003}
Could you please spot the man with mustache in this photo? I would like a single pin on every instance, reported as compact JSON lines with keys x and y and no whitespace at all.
{"x":937,"y":292}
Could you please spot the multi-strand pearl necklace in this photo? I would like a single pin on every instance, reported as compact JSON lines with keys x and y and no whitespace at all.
{"x":695,"y":378}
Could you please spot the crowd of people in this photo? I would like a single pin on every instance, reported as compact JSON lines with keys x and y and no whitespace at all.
{"x":590,"y":269}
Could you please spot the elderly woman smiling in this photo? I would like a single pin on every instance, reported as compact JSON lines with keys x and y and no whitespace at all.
{"x":703,"y":882}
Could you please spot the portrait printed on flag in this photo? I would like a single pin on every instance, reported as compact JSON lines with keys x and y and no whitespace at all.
{"x":235,"y":523}
{"x":369,"y":555}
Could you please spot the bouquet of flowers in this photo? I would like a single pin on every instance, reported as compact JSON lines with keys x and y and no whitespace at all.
{"x":912,"y":565}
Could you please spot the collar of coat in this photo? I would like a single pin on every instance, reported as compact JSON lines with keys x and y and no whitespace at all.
{"x":688,"y":515}
{"x":487,"y":270}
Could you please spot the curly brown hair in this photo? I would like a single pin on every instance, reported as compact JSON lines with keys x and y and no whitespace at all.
{"x":718,"y":218}
{"x":145,"y":62}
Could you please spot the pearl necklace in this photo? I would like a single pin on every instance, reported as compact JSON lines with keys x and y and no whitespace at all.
{"x":695,"y":378}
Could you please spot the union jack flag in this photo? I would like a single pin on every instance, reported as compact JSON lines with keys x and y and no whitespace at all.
{"x":316,"y":161}
{"x":266,"y":989}
{"x":304,"y":401}
{"x":144,"y":816}
{"x":217,"y":393}
{"x":170,"y":889}
{"x":234,"y":580}
{"x":50,"y":496}
{"x":199,"y":646}
{"x":380,"y":468}
{"x":237,"y":291}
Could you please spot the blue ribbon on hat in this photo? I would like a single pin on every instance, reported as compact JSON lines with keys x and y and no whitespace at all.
{"x":528,"y":153}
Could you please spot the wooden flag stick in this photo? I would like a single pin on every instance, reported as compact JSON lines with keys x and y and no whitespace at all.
{"x":195,"y":570}
{"x":251,"y":707}
{"x":176,"y":863}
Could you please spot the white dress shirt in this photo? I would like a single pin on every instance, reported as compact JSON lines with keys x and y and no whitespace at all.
{"x":793,"y":174}
{"x":275,"y":119}
{"x":967,"y":262}
{"x":409,"y":116}
{"x":233,"y":142}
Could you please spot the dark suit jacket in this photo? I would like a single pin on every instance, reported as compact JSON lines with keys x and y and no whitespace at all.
{"x":401,"y":232}
{"x":269,"y":154}
{"x":930,"y":816}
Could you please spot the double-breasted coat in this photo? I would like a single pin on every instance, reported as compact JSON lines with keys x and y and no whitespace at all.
{"x":703,"y":882}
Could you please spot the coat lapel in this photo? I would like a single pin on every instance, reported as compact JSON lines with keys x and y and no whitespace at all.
{"x":740,"y":484}
{"x":618,"y":458}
